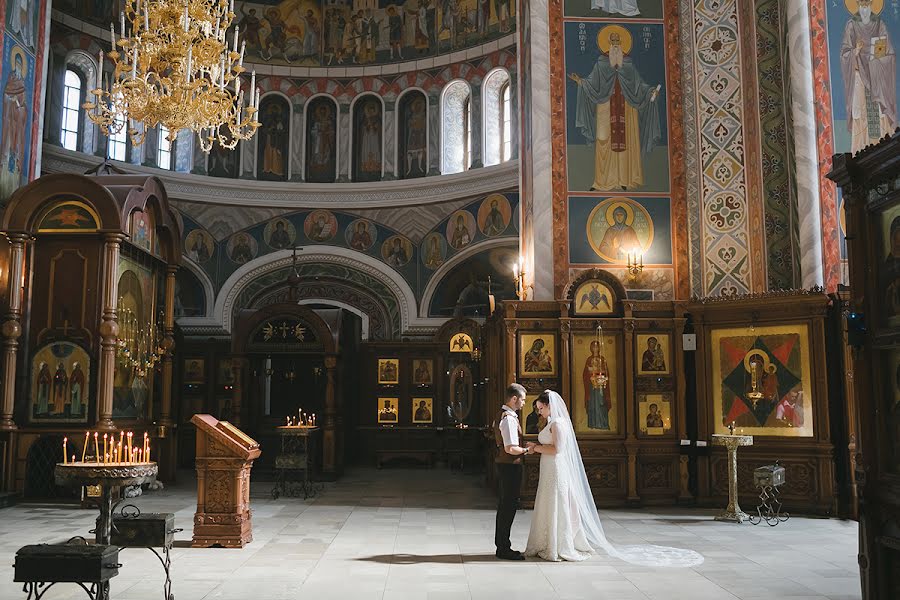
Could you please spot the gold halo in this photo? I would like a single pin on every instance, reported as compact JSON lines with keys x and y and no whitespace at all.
{"x":17,"y":50}
{"x":624,"y":37}
{"x":853,"y":6}
{"x":629,"y":213}
{"x":756,"y":352}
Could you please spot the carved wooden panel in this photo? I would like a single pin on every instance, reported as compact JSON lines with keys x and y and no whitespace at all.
{"x":656,"y":475}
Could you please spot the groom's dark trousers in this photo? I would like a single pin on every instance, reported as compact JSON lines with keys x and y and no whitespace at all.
{"x":509,"y":478}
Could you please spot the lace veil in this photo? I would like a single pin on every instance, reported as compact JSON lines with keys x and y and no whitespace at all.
{"x":570,"y":468}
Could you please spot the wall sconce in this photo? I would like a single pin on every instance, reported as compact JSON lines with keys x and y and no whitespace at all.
{"x":635,"y":263}
{"x":519,"y":277}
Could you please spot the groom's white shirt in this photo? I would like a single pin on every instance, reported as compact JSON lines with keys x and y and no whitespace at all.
{"x":509,"y":427}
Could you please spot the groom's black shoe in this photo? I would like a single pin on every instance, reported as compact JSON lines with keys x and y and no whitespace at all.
{"x":509,"y":555}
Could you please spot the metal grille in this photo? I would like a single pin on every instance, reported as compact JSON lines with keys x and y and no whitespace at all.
{"x":42,"y":458}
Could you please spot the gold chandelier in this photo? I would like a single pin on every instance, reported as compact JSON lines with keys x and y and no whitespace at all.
{"x":175,"y":68}
{"x":139,"y":346}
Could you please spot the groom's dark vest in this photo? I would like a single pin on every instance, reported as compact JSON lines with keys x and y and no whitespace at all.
{"x":501,"y":455}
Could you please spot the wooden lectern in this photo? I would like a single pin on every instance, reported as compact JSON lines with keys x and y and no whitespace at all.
{"x":225,"y":455}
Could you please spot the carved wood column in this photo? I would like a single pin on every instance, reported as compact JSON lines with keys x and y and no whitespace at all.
{"x":565,"y":327}
{"x":631,"y":441}
{"x":109,"y":331}
{"x":510,"y":370}
{"x":331,"y":462}
{"x":165,"y":417}
{"x":684,"y":491}
{"x":12,"y":328}
{"x":237,"y":370}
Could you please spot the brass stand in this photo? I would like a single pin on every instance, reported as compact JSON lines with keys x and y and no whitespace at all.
{"x":733,"y":512}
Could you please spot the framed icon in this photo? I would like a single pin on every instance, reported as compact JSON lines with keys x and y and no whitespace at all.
{"x":423,"y":371}
{"x":654,"y":354}
{"x":388,"y":371}
{"x":194,"y":370}
{"x":388,"y":411}
{"x":654,"y":414}
{"x":422,"y":410}
{"x":537,"y":354}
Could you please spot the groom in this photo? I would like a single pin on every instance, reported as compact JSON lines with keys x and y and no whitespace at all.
{"x":508,"y":458}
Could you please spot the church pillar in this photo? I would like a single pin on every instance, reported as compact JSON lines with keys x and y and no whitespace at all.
{"x":536,"y":205}
{"x":477,"y":128}
{"x":344,"y":150}
{"x":298,"y":133}
{"x":109,"y":331}
{"x":389,"y":145}
{"x":806,"y":168}
{"x":12,"y":328}
{"x":331,"y":459}
{"x":434,"y":133}
{"x":55,"y":92}
{"x":514,"y":109}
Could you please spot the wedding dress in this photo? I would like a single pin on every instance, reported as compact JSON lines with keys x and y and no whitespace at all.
{"x":565,"y":524}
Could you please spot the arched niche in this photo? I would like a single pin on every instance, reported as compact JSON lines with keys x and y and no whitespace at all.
{"x":368,"y":136}
{"x":412,"y":135}
{"x":273,"y":154}
{"x":321,"y":140}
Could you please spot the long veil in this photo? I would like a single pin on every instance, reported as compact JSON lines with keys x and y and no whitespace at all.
{"x":570,"y":466}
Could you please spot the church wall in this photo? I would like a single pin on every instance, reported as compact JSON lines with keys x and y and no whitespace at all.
{"x":23,"y":32}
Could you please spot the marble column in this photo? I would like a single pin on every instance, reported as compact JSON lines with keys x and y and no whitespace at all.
{"x":389,"y":141}
{"x":516,"y":116}
{"x":109,"y":331}
{"x":184,"y":151}
{"x":12,"y":328}
{"x":476,"y":125}
{"x":298,"y":133}
{"x":535,"y":182}
{"x":344,"y":151}
{"x":805,"y":157}
{"x":434,"y":133}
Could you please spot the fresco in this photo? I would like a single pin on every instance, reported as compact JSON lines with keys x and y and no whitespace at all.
{"x":615,"y":107}
{"x":274,"y":133}
{"x":17,"y":83}
{"x":60,"y":384}
{"x":606,"y":230}
{"x":321,"y":140}
{"x":463,"y":291}
{"x":367,"y":139}
{"x":412,"y":152}
{"x":863,"y":62}
{"x":638,"y":9}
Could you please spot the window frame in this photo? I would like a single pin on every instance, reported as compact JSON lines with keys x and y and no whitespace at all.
{"x":505,"y":122}
{"x":77,"y":110}
{"x":162,"y":133}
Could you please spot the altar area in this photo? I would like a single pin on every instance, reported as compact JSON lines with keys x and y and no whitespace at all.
{"x":426,"y":534}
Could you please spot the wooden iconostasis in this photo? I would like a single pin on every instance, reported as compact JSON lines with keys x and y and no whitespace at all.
{"x":644,"y":408}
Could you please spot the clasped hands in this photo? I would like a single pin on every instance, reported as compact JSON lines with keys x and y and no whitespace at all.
{"x":529,"y":448}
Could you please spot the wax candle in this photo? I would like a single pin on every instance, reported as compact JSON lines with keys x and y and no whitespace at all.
{"x":130,"y":447}
{"x":96,"y":447}
{"x":105,"y":447}
{"x":87,"y":439}
{"x":65,"y":453}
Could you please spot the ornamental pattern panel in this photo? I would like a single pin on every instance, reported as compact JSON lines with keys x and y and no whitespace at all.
{"x":779,"y":183}
{"x":726,"y":261}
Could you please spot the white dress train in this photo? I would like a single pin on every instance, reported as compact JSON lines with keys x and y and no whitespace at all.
{"x":565,"y":524}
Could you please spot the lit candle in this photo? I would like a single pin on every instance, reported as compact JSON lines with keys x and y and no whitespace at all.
{"x":105,"y":447}
{"x":87,"y":439}
{"x":146,"y":444}
{"x":65,"y":453}
{"x":130,"y":447}
{"x":112,"y":34}
{"x":96,"y":447}
{"x":121,"y":442}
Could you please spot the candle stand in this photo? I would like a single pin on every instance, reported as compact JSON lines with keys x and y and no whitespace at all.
{"x":768,"y":479}
{"x":294,"y":466}
{"x":733,"y":512}
{"x":107,"y":476}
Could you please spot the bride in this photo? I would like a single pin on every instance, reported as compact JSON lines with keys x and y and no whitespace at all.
{"x":565,"y":524}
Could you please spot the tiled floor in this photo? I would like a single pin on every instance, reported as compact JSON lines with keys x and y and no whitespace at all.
{"x":416,"y":534}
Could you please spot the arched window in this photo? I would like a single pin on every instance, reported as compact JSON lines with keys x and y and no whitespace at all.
{"x":456,"y":127}
{"x":164,"y":149}
{"x":118,"y":141}
{"x":506,"y":121}
{"x":71,"y":110}
{"x":497,"y":117}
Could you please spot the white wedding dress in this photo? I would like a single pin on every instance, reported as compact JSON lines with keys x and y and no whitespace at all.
{"x":565,"y":524}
